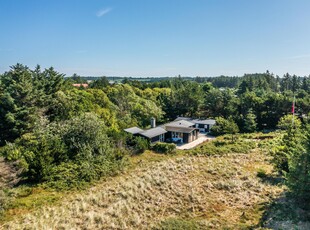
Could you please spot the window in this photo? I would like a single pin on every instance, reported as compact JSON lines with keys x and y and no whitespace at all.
{"x":176,"y":135}
{"x":162,"y":138}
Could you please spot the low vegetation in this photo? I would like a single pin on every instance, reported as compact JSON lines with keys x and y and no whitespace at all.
{"x":224,"y":145}
{"x":198,"y":191}
{"x":165,"y":148}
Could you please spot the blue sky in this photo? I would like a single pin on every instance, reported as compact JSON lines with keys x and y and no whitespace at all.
{"x":157,"y":37}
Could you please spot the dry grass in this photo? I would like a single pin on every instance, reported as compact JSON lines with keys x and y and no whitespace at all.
{"x":217,"y":192}
{"x":9,"y":173}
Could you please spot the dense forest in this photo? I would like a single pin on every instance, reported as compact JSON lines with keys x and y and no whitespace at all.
{"x":64,"y":136}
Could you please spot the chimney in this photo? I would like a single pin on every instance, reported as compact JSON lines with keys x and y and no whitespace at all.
{"x":153,"y":122}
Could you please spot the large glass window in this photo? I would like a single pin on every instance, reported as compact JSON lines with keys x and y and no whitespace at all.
{"x":162,"y":138}
{"x":176,"y":135}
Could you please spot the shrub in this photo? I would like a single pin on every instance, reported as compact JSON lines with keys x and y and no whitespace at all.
{"x":141,"y":144}
{"x":68,"y":153}
{"x":224,"y":126}
{"x":261,"y":173}
{"x":220,"y":147}
{"x":165,"y":148}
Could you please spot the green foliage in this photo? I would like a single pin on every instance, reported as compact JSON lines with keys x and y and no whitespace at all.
{"x":250,"y":122}
{"x":137,"y":144}
{"x":292,"y":156}
{"x":45,"y":127}
{"x":261,"y":173}
{"x":222,"y":146}
{"x":221,"y":103}
{"x":224,"y":126}
{"x":298,"y":176}
{"x":17,"y":103}
{"x":288,"y":122}
{"x":66,"y":154}
{"x":132,"y":108}
{"x":100,"y":83}
{"x":185,"y":99}
{"x":24,"y":97}
{"x":165,"y":148}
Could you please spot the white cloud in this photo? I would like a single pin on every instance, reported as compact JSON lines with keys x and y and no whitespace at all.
{"x":103,"y":12}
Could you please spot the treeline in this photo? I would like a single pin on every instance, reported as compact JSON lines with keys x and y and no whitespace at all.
{"x":286,"y":82}
{"x":257,"y":102}
{"x":262,"y":80}
{"x":69,"y":134}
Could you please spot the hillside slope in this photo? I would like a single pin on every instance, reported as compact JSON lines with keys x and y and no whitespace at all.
{"x":215,"y":192}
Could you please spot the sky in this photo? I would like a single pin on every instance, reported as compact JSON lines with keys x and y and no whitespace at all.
{"x":148,"y":38}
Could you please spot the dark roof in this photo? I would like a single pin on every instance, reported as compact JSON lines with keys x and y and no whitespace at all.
{"x":134,"y":130}
{"x":150,"y":133}
{"x":180,"y":123}
{"x":179,"y":129}
{"x":204,"y":122}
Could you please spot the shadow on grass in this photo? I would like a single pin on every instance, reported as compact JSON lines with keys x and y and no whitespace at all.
{"x":271,"y":179}
{"x":285,"y":213}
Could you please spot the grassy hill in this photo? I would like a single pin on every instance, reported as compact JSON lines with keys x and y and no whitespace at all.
{"x":183,"y":191}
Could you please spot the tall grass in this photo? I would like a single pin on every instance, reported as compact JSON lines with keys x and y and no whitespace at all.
{"x":213,"y":191}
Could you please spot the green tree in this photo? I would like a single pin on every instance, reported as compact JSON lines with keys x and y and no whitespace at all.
{"x":288,"y":122}
{"x":71,"y":152}
{"x":250,"y":122}
{"x":100,"y":83}
{"x":298,"y":176}
{"x":18,"y":98}
{"x":225,"y":126}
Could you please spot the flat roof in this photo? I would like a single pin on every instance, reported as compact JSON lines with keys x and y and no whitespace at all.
{"x":134,"y":130}
{"x":150,"y":133}
{"x":180,"y":123}
{"x":204,"y":122}
{"x":179,"y":129}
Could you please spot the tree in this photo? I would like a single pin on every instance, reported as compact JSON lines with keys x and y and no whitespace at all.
{"x":250,"y":122}
{"x":288,"y":122}
{"x":78,"y":79}
{"x":298,"y":176}
{"x":100,"y":83}
{"x":18,"y":98}
{"x":225,"y":126}
{"x":73,"y":151}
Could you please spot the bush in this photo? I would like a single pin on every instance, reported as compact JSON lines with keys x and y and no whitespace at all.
{"x":140,"y":144}
{"x":220,"y":147}
{"x":165,"y":148}
{"x":67,"y":154}
{"x":224,"y":126}
{"x":261,"y":173}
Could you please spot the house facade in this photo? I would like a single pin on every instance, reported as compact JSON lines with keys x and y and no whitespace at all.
{"x":204,"y":126}
{"x":181,"y":130}
{"x":156,"y":134}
